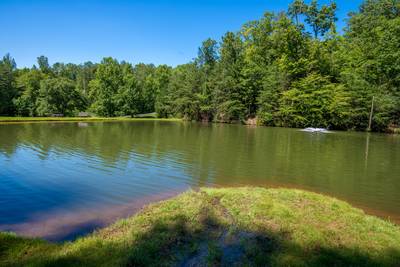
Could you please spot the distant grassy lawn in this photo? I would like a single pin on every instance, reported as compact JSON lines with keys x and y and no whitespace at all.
{"x":225,"y":227}
{"x":69,"y":119}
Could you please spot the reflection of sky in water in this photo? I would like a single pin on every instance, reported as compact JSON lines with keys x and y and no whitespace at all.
{"x":64,"y":181}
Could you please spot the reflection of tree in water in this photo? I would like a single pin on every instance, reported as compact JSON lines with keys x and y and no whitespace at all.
{"x":230,"y":154}
{"x":109,"y":141}
{"x":8,"y":139}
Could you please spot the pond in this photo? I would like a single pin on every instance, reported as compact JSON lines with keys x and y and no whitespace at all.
{"x":62,"y":180}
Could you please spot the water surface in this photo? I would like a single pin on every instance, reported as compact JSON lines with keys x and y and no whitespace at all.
{"x":59,"y":180}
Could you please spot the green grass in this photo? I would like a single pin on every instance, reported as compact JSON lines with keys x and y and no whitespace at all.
{"x":76,"y":119}
{"x":225,"y":227}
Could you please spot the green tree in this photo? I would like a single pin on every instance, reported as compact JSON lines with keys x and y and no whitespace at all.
{"x":296,"y":9}
{"x":43,"y":63}
{"x":105,"y":86}
{"x":228,"y":100}
{"x":321,"y":19}
{"x":85,"y":74}
{"x":28,"y":84}
{"x":129,"y":97}
{"x":258,"y":56}
{"x":183,"y":87}
{"x":163,"y":106}
{"x":314,"y":102}
{"x":7,"y":85}
{"x":372,"y":63}
{"x":207,"y":59}
{"x":58,"y":95}
{"x":146,"y":81}
{"x":208,"y":53}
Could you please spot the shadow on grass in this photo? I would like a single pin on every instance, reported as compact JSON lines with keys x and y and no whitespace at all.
{"x":226,"y":244}
{"x":216,"y":239}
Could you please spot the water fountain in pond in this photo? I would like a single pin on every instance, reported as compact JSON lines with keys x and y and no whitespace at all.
{"x":316,"y":130}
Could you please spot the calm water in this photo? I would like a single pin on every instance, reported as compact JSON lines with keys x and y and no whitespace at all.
{"x":59,"y":180}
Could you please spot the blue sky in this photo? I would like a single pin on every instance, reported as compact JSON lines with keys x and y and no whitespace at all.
{"x":153,"y":31}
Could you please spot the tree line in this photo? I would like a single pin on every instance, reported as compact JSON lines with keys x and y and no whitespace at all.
{"x":289,"y":69}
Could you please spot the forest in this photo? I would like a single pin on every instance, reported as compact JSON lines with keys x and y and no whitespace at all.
{"x":287,"y":69}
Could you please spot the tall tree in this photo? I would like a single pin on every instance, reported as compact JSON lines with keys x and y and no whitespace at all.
{"x":183,"y":87}
{"x":296,"y":9}
{"x":228,"y":99}
{"x":372,"y":63}
{"x":163,"y":102}
{"x":146,"y":81}
{"x":43,"y":63}
{"x":208,"y":53}
{"x":7,"y":85}
{"x":105,"y":86}
{"x":130,"y":97}
{"x":207,"y":59}
{"x":28,"y":84}
{"x":321,"y":19}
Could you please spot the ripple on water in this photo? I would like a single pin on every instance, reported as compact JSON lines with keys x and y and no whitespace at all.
{"x":48,"y":170}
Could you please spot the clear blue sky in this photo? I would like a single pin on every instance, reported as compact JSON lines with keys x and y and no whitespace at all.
{"x":152,"y":31}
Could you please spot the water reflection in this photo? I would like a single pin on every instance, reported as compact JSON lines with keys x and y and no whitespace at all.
{"x":65,"y":225}
{"x":69,"y":167}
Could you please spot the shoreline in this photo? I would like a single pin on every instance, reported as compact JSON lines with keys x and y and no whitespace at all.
{"x":64,"y":226}
{"x":13,"y":120}
{"x":225,"y":226}
{"x":375,"y":212}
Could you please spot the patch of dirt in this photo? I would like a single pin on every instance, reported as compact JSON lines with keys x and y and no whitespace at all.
{"x":227,"y":240}
{"x":252,"y":121}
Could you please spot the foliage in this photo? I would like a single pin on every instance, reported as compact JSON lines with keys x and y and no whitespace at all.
{"x":7,"y":84}
{"x":314,"y":101}
{"x":57,"y":96}
{"x":287,"y":69}
{"x":28,"y":85}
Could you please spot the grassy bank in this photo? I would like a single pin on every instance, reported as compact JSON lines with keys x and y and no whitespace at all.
{"x":74,"y":119}
{"x":222,"y":227}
